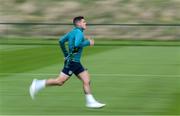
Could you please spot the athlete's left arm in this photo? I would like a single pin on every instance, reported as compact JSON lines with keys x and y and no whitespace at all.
{"x":85,"y":43}
{"x":80,"y":41}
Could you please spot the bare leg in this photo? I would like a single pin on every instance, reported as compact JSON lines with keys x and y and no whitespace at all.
{"x":38,"y":85}
{"x":85,"y":78}
{"x":90,"y":101}
{"x":59,"y":81}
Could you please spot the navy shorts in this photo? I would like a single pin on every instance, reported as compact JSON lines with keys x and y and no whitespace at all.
{"x":72,"y":67}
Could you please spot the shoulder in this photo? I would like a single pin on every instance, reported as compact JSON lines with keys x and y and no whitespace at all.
{"x":76,"y":30}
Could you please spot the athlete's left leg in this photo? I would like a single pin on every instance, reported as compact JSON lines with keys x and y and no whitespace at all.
{"x":90,"y":101}
{"x":85,"y":78}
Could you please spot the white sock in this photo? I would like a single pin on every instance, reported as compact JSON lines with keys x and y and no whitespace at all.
{"x":40,"y":84}
{"x":90,"y":98}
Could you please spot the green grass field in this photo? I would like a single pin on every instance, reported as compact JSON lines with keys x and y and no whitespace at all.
{"x":131,"y":77}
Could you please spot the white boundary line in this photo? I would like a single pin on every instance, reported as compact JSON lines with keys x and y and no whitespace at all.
{"x":98,"y":74}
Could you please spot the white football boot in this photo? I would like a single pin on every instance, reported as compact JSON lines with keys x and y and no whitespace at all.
{"x":95,"y":105}
{"x":32,"y":90}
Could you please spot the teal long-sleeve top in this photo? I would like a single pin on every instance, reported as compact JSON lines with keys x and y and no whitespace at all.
{"x":76,"y":42}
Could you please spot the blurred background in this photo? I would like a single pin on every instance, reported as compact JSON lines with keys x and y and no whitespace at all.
{"x":56,"y":16}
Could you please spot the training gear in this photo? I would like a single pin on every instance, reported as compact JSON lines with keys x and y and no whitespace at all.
{"x":36,"y":86}
{"x":76,"y":42}
{"x":92,"y":103}
{"x":95,"y":105}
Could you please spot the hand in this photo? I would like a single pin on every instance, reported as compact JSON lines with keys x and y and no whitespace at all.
{"x":91,"y":42}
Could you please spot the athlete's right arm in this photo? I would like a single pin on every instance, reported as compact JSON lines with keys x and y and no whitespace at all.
{"x":62,"y":41}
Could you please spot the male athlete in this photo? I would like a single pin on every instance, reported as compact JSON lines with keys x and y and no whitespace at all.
{"x":72,"y":65}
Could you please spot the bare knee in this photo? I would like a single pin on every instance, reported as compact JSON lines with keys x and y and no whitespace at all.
{"x":87,"y":82}
{"x":59,"y":82}
{"x":61,"y":79}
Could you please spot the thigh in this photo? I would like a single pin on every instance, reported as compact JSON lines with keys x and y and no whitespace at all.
{"x":84,"y":76}
{"x":62,"y":77}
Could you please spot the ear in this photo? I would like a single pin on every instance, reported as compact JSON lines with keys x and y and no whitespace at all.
{"x":79,"y":22}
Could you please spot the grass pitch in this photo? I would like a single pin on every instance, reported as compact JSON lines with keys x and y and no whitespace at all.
{"x":130,"y":77}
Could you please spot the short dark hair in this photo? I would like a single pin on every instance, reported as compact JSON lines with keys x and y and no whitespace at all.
{"x":76,"y":19}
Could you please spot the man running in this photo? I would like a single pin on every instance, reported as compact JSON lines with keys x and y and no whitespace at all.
{"x":72,"y":65}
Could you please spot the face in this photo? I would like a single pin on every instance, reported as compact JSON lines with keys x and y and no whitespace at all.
{"x":82,"y":24}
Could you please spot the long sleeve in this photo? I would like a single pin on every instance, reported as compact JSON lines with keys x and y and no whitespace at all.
{"x":80,"y":41}
{"x":76,"y":43}
{"x":85,"y":43}
{"x":62,"y":41}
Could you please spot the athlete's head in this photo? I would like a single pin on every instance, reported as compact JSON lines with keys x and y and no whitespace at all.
{"x":79,"y":21}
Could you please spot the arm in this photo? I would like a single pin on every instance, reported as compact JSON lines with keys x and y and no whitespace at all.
{"x":79,"y":40}
{"x":85,"y":43}
{"x":91,"y":42}
{"x":62,"y":41}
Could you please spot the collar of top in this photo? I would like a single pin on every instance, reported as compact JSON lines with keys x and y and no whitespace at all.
{"x":81,"y":29}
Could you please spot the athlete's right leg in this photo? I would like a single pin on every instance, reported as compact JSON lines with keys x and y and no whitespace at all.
{"x":38,"y":85}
